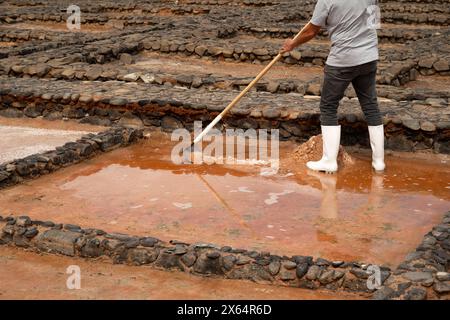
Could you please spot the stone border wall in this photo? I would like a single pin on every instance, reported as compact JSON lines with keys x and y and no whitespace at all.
{"x":424,"y":274}
{"x":199,"y":259}
{"x":88,"y":146}
{"x":410,"y":126}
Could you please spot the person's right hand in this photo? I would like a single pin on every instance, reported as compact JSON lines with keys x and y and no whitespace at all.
{"x":288,"y":46}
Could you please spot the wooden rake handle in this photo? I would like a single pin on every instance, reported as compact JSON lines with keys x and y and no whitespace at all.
{"x":247,"y":89}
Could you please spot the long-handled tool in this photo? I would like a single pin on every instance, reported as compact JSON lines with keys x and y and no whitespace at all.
{"x":239,"y":97}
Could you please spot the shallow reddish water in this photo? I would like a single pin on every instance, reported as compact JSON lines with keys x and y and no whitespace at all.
{"x":354,"y":215}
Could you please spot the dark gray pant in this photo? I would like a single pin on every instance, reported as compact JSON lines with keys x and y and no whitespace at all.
{"x":336,"y":81}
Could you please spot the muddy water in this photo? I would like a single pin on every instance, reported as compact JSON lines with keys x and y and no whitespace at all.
{"x":354,"y":215}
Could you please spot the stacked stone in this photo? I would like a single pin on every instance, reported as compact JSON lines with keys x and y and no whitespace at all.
{"x":36,"y":165}
{"x":200,"y":258}
{"x":103,"y":51}
{"x":425,"y":272}
{"x":410,"y":125}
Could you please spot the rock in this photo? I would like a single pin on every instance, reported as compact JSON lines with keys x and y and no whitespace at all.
{"x":38,"y":70}
{"x":200,"y":50}
{"x":289,"y":265}
{"x":302,"y":269}
{"x":436,"y":102}
{"x":287,"y":275}
{"x":274,"y":267}
{"x":213,"y":255}
{"x":148,"y":241}
{"x":140,"y":256}
{"x":31,"y":232}
{"x":314,"y":89}
{"x":313,"y":273}
{"x":412,"y":124}
{"x":189,"y":259}
{"x":91,"y":249}
{"x":297,"y":55}
{"x":261,"y":52}
{"x":359,"y":273}
{"x":443,"y":276}
{"x":131,"y":243}
{"x":68,"y":73}
{"x":322,"y":262}
{"x":126,"y":58}
{"x":23,"y":221}
{"x":94,"y":73}
{"x":272,"y":86}
{"x":72,"y":227}
{"x":132,"y":77}
{"x":427,"y":126}
{"x":169,"y":260}
{"x":58,"y":241}
{"x":441,"y":65}
{"x":427,"y":62}
{"x":228,"y":262}
{"x":170,"y":123}
{"x":242,"y":260}
{"x":416,"y":294}
{"x":130,"y":120}
{"x":337,"y":264}
{"x":180,"y":249}
{"x":54,"y":115}
{"x":11,"y":113}
{"x":117,"y":101}
{"x":271,"y":113}
{"x":417,"y":276}
{"x":215,"y":51}
{"x":326,"y":277}
{"x":206,"y":265}
{"x":442,"y":287}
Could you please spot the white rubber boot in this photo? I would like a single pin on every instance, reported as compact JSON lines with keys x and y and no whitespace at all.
{"x":376,"y":134}
{"x":331,"y":137}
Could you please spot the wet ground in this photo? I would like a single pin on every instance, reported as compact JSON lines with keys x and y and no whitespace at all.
{"x":354,"y":215}
{"x":27,"y":275}
{"x":24,"y":137}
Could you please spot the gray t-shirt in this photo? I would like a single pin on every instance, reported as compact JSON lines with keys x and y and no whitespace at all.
{"x":353,"y":40}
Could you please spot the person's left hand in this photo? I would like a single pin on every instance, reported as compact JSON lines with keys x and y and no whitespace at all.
{"x":288,"y":46}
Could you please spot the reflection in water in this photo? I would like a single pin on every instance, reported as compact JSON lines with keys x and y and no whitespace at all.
{"x":329,"y":209}
{"x":329,"y":205}
{"x":353,"y":215}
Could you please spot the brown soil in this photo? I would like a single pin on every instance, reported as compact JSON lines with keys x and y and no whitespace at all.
{"x":176,"y":64}
{"x":58,"y":26}
{"x":7,"y":44}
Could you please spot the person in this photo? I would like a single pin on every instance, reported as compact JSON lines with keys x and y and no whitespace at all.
{"x":352,"y":59}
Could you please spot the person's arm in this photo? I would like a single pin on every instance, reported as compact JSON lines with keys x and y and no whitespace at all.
{"x":307,"y":34}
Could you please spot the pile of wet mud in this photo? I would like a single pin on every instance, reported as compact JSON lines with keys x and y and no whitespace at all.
{"x":311,"y":150}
